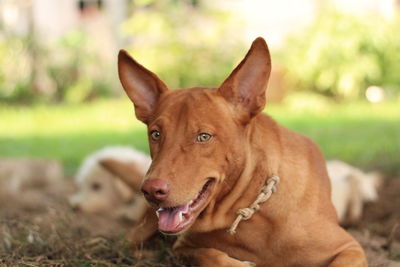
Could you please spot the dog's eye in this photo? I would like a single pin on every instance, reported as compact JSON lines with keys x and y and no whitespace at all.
{"x":203,"y":137}
{"x":155,"y":135}
{"x":96,"y":186}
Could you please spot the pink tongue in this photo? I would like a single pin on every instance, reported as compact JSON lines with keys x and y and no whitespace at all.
{"x":168,"y":219}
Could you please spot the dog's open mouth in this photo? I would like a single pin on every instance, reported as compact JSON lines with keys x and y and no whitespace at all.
{"x":172,"y":220}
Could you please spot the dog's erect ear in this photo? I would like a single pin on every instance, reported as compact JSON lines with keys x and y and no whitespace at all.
{"x":141,"y":85}
{"x":125,"y":171}
{"x":245,"y":87}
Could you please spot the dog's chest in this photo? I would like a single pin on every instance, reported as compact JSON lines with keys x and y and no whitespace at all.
{"x":248,"y":244}
{"x":263,"y":245}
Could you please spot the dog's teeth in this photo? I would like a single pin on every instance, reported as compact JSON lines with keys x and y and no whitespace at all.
{"x":190,"y":202}
{"x":180,"y":217}
{"x":158,"y":212}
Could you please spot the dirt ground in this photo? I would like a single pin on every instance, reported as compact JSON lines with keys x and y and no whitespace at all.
{"x":39,"y":229}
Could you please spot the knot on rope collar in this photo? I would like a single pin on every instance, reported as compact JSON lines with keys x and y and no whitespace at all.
{"x":265,"y":194}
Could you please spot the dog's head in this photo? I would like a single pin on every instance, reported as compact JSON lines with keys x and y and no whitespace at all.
{"x":98,"y":190}
{"x":370,"y":184}
{"x":197,"y":136}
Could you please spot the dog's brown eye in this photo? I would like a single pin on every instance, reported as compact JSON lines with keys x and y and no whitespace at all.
{"x":203,"y":137}
{"x":155,"y":135}
{"x":96,"y":186}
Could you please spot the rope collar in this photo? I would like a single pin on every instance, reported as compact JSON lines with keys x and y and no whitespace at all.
{"x":265,"y":194}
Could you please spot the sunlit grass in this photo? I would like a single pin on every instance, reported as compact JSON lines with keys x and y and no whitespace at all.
{"x":367,"y":135}
{"x":364,"y":134}
{"x":68,"y":132}
{"x":110,"y":115}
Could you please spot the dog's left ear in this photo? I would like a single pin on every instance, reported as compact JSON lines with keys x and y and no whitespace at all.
{"x":245,"y":87}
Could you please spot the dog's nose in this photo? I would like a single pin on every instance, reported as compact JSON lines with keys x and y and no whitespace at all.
{"x":155,"y":190}
{"x":76,"y":208}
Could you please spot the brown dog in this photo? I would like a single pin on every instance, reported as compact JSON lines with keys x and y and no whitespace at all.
{"x":213,"y":151}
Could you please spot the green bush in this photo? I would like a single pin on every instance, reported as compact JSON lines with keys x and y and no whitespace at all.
{"x":15,"y":70}
{"x":340,"y":55}
{"x":64,"y":71}
{"x":187,"y":43}
{"x":76,"y":70}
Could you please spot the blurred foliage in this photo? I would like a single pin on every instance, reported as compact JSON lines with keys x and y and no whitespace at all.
{"x":15,"y":70}
{"x":66,"y":70}
{"x":76,"y":70}
{"x":340,"y":55}
{"x":186,"y":43}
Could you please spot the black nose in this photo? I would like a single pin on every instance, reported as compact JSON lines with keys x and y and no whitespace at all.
{"x":76,"y":208}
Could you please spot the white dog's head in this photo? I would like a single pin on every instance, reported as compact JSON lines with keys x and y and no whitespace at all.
{"x":351,"y":188}
{"x":98,"y":189}
{"x":369,"y":184}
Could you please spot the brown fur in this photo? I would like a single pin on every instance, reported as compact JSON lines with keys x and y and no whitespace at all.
{"x":297,"y":226}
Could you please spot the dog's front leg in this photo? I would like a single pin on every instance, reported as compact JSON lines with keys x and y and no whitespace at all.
{"x":145,"y":228}
{"x":349,"y":257}
{"x":205,"y":257}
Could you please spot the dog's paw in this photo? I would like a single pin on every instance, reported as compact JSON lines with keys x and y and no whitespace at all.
{"x":249,"y":264}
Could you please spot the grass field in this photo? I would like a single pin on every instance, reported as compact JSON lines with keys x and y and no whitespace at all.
{"x":367,"y":135}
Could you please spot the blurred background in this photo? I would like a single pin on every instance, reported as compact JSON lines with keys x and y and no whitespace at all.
{"x":335,"y":73}
{"x":335,"y":77}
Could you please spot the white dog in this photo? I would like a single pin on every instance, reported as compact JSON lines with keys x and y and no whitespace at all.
{"x":100,"y":191}
{"x":20,"y":174}
{"x":351,"y":188}
{"x":30,"y":183}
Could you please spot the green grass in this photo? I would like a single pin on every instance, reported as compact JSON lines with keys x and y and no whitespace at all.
{"x":68,"y":132}
{"x":367,"y":135}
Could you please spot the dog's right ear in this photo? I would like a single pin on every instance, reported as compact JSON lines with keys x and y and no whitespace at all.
{"x":141,"y":85}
